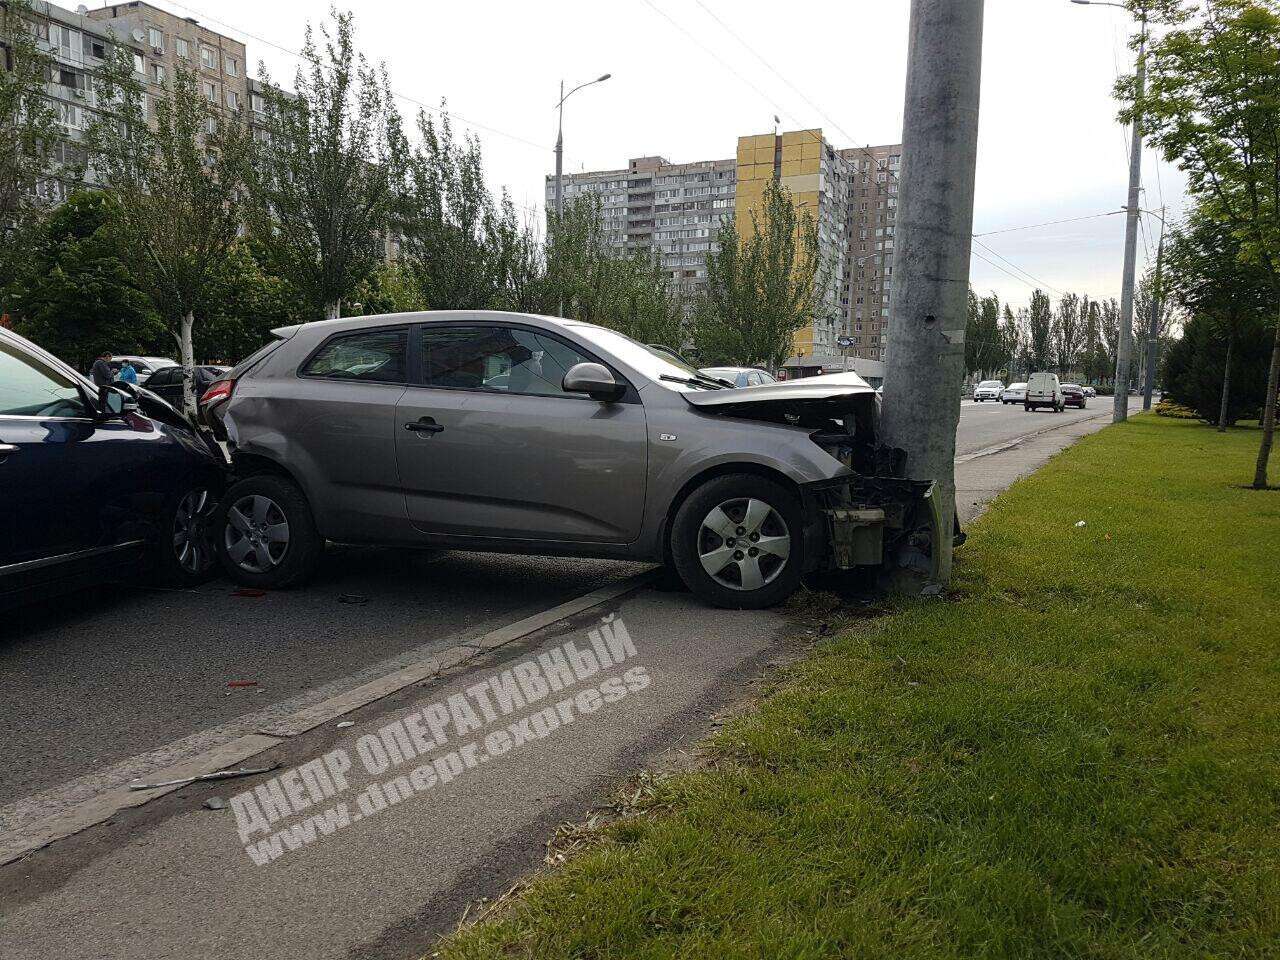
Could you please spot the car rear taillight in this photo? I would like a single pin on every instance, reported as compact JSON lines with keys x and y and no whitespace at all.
{"x":221,"y":390}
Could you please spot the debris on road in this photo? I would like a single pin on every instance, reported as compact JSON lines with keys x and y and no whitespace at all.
{"x":342,"y":724}
{"x":220,"y":775}
{"x":215,"y":803}
{"x":355,"y":598}
{"x":1080,"y":523}
{"x":248,"y":592}
{"x":242,"y":683}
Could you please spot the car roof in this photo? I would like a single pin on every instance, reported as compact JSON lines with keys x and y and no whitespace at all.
{"x":324,"y":328}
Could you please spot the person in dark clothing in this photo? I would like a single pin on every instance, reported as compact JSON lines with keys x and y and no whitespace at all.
{"x":101,"y":373}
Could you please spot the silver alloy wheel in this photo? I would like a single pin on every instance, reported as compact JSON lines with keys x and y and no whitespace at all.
{"x":191,"y":544}
{"x":257,"y":533}
{"x":743,"y":544}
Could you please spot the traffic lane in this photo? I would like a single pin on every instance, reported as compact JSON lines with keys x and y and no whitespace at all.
{"x":101,"y":676}
{"x":174,"y":878}
{"x":984,"y":425}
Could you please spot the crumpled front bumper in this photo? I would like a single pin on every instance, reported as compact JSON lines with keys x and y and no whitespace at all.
{"x":877,"y":525}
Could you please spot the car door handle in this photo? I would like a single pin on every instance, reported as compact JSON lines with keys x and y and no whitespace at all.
{"x":6,"y":449}
{"x":424,"y":425}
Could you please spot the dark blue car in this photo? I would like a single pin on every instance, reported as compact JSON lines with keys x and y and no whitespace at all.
{"x":96,"y":484}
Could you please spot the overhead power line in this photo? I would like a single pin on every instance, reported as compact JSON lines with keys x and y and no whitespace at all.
{"x":1048,"y":223}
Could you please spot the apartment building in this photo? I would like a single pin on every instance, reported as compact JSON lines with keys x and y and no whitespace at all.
{"x":673,"y":209}
{"x":873,"y":201}
{"x":676,"y":210}
{"x":78,"y":47}
{"x":165,"y":42}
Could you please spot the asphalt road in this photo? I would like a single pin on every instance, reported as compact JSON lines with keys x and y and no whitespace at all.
{"x":103,"y":688}
{"x":132,"y":673}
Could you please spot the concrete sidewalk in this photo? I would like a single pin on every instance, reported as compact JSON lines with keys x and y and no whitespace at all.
{"x":173,"y":878}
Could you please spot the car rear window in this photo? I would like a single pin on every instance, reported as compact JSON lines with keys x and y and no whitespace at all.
{"x":255,"y":358}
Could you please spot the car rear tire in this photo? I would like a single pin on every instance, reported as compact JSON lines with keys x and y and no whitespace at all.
{"x":738,"y":542}
{"x":265,"y":534}
{"x":185,"y":554}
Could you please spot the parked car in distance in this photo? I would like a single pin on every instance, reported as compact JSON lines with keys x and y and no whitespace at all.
{"x":95,"y":485}
{"x":145,"y":366}
{"x":988,"y":390}
{"x":167,"y":382}
{"x":740,"y":376}
{"x":1014,"y":393}
{"x":1073,"y":395}
{"x":509,"y":432}
{"x":1043,"y":390}
{"x":1090,"y":392}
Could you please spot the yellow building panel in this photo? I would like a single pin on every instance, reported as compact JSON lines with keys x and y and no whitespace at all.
{"x":805,"y":183}
{"x":746,"y":152}
{"x":764,"y":154}
{"x":791,"y":168}
{"x":801,"y":136}
{"x":812,"y":150}
{"x":792,"y":151}
{"x":761,"y":140}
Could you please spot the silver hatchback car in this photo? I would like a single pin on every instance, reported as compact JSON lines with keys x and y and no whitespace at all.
{"x":517,"y":433}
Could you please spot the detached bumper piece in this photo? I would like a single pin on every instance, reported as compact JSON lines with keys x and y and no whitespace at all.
{"x":875,"y":524}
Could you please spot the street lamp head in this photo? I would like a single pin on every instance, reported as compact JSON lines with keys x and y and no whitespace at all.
{"x":603,"y":78}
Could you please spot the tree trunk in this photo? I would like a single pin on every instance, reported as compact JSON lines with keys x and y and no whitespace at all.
{"x":332,"y":311}
{"x":188,"y":360}
{"x":1226,"y":383}
{"x":1268,"y":414}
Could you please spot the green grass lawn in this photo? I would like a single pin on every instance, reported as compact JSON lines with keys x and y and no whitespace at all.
{"x":1078,"y":756}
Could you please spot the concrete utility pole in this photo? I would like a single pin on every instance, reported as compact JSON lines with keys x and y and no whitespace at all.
{"x":1124,"y":348}
{"x":925,"y":357}
{"x":559,"y":198}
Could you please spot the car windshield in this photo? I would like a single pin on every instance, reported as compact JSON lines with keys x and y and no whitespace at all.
{"x":1071,"y":386}
{"x":1017,"y":386}
{"x":650,"y":362}
{"x":991,"y":383}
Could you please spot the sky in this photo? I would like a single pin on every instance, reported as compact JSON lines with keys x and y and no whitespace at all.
{"x":690,"y":76}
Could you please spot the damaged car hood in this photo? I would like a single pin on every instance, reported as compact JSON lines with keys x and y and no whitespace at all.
{"x":835,"y":386}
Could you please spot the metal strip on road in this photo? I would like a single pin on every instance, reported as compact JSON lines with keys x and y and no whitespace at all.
{"x":101,"y":807}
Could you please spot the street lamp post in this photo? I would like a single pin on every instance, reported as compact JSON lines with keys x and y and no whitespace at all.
{"x":560,"y":151}
{"x":1124,"y":348}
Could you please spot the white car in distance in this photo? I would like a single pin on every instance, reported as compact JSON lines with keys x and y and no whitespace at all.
{"x":987,"y":390}
{"x":1014,"y":393}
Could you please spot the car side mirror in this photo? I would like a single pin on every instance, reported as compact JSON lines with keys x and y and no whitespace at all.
{"x":115,"y":401}
{"x":595,"y":380}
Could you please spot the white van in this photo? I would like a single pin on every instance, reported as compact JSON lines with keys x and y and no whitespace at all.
{"x":1044,"y":390}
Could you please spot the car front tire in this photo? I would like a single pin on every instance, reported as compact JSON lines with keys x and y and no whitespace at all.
{"x":185,"y":555}
{"x":738,"y":541}
{"x":265,"y":534}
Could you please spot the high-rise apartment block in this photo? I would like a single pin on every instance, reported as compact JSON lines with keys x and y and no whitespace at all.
{"x":676,"y":210}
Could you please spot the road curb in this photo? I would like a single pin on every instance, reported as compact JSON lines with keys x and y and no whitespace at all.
{"x":101,"y":807}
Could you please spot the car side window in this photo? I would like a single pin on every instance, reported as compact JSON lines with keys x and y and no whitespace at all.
{"x":502,"y":359}
{"x":368,"y":356}
{"x":161,"y":378}
{"x":29,"y":387}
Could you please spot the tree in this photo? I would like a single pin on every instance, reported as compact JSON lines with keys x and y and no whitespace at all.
{"x":1068,"y":331}
{"x":1213,"y":105}
{"x":1206,"y":275}
{"x":627,"y":292}
{"x":1194,"y":366}
{"x":1011,"y":339}
{"x":246,"y":304}
{"x":29,"y":137}
{"x":1111,"y":339}
{"x":762,"y":286}
{"x":321,"y":186}
{"x":178,"y":186}
{"x":1040,"y":331}
{"x":985,"y":348}
{"x":77,"y":297}
{"x":458,"y":248}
